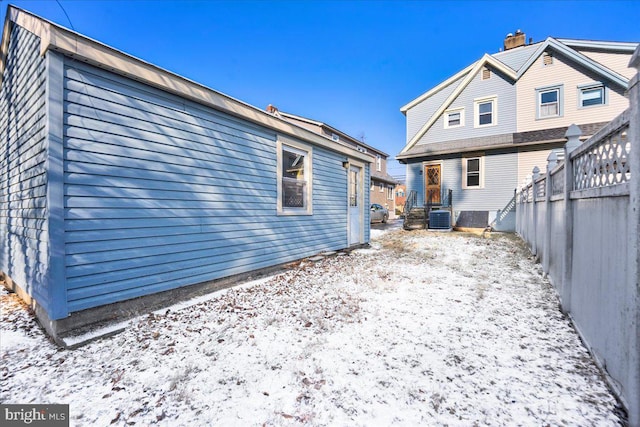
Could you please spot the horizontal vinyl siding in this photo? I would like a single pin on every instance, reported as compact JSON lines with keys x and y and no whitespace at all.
{"x":506,"y":112}
{"x":161,"y":193}
{"x":618,"y":62}
{"x":24,"y":248}
{"x":527,"y":160}
{"x":500,"y":171}
{"x":570,"y":75}
{"x":419,"y":114}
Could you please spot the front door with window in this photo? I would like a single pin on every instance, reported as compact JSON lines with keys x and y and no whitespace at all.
{"x":356,"y":210}
{"x":433,"y":183}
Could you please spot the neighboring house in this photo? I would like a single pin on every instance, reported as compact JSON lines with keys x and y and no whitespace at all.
{"x":481,"y":132}
{"x":401,"y":197}
{"x":382,"y":184}
{"x":120,"y":180}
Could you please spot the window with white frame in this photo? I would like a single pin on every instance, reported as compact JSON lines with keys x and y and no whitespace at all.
{"x":454,"y":118}
{"x":473,"y":172}
{"x":294,"y":179}
{"x":335,"y":137}
{"x":381,"y":187}
{"x":389,"y":192}
{"x":591,"y":95}
{"x":486,"y":111}
{"x":379,"y":163}
{"x":549,"y":102}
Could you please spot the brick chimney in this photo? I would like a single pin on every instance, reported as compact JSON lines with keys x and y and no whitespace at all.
{"x":271,"y":109}
{"x":513,"y":41}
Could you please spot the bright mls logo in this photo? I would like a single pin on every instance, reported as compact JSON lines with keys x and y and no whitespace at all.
{"x":35,"y":415}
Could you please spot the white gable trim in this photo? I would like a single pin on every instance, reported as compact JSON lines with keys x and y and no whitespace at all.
{"x":437,"y":89}
{"x":581,"y":59}
{"x":477,"y":67}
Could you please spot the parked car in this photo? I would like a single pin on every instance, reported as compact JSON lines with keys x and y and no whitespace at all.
{"x":379,"y":213}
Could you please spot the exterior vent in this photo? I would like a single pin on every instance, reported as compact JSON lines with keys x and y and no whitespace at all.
{"x":547,"y":58}
{"x":440,"y":220}
{"x":486,"y":73}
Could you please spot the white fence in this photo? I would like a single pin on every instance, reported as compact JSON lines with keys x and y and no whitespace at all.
{"x":582,"y":220}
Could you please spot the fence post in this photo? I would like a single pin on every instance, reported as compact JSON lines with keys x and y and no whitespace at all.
{"x":573,"y":141}
{"x":552,"y":162}
{"x":535,"y":174}
{"x":633,"y":236}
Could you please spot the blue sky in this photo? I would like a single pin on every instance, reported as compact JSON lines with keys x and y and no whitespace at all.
{"x":351,"y":64}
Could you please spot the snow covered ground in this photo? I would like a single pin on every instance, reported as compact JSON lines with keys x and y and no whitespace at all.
{"x":420,"y":329}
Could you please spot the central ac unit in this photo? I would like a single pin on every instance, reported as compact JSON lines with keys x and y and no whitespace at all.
{"x":440,"y":220}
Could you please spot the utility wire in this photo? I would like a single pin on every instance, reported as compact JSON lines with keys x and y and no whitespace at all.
{"x":65,"y":14}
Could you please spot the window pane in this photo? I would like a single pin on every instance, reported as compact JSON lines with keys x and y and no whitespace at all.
{"x":549,"y":110}
{"x":473,"y":165}
{"x":486,"y":107}
{"x":294,"y":184}
{"x":592,"y":97}
{"x":293,"y":193}
{"x":546,"y":97}
{"x":485,"y":119}
{"x":473,"y":180}
{"x":292,"y":165}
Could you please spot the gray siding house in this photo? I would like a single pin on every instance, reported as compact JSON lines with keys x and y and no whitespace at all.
{"x":481,"y":132}
{"x":121,"y":180}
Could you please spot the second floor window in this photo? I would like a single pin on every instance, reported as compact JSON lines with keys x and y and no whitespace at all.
{"x":485,"y":112}
{"x":379,"y":163}
{"x":549,"y":102}
{"x":591,"y":95}
{"x":454,"y":118}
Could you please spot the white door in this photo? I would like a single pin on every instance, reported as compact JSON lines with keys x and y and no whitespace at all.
{"x":356,"y":210}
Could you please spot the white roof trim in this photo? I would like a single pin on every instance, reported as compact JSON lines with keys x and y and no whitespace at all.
{"x":628,"y":47}
{"x":581,"y":59}
{"x":437,"y":89}
{"x":80,"y":47}
{"x":476,"y":68}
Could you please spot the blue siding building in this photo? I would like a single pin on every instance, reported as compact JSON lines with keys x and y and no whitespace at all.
{"x":121,"y":180}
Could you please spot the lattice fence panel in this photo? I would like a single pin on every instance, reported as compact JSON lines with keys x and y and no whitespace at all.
{"x":605,"y":163}
{"x":557,"y":182}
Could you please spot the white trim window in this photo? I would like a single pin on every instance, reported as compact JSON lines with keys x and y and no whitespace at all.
{"x":379,"y":163}
{"x":591,"y":95}
{"x":549,"y":102}
{"x":454,"y":118}
{"x":485,"y":111}
{"x":381,"y":187}
{"x":472,"y":172}
{"x":294,"y":192}
{"x":389,"y":192}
